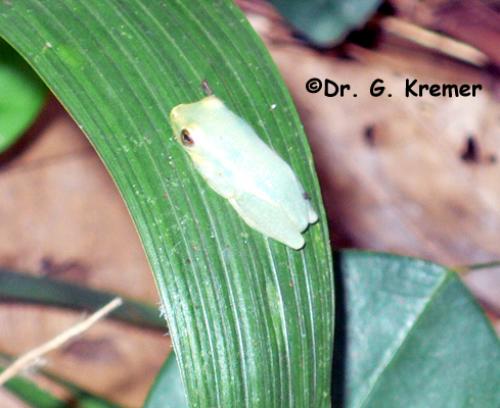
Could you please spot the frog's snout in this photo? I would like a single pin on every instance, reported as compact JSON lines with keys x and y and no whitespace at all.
{"x":174,"y":114}
{"x":176,"y":119}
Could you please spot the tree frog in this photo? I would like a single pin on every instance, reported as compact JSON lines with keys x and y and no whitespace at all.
{"x":239,"y":166}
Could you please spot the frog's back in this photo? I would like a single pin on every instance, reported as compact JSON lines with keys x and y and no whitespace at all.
{"x":260,"y":171}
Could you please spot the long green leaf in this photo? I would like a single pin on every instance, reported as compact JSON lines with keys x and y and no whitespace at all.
{"x":21,"y":287}
{"x":410,"y":335}
{"x":80,"y":397}
{"x":22,"y":95}
{"x":31,"y":394}
{"x":251,"y":320}
{"x":36,"y":397}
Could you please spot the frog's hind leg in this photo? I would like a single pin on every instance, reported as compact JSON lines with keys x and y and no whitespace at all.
{"x":313,"y":217}
{"x":268,"y":219}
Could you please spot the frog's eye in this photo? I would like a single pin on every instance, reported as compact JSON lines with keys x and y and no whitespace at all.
{"x":186,"y":138}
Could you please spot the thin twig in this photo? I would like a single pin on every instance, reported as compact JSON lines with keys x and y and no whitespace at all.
{"x":484,"y":265}
{"x":435,"y":41}
{"x":32,"y":355}
{"x":462,"y":269}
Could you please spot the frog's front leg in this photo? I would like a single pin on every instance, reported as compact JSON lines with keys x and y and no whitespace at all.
{"x":218,"y":179}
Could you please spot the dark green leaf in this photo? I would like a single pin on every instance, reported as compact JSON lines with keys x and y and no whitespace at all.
{"x":21,"y":95}
{"x":31,"y":394}
{"x":326,"y":23}
{"x":410,"y":335}
{"x":20,"y":287}
{"x":251,"y":320}
{"x":36,"y":397}
{"x":80,"y":398}
{"x":167,"y":391}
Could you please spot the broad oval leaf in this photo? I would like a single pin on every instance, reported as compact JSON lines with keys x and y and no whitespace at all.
{"x":167,"y":391}
{"x":251,"y":320}
{"x":410,"y":335}
{"x":326,"y":23}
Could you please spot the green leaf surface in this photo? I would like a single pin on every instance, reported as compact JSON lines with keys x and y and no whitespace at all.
{"x":409,"y":334}
{"x":326,"y":23}
{"x":21,"y":287}
{"x":80,"y":398}
{"x":167,"y":391}
{"x":22,"y":95}
{"x":251,"y":320}
{"x":36,"y":397}
{"x":31,"y":394}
